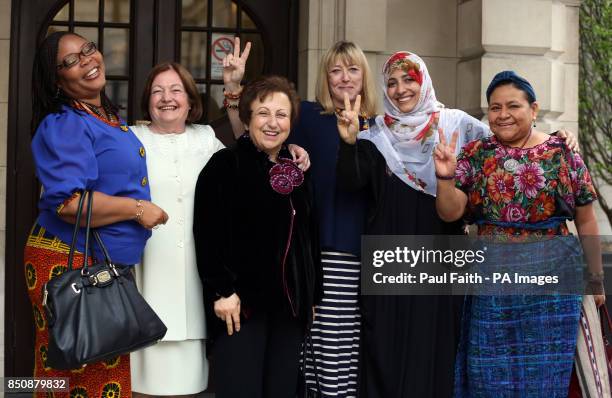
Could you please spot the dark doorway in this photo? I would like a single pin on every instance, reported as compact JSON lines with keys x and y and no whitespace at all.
{"x":136,"y":34}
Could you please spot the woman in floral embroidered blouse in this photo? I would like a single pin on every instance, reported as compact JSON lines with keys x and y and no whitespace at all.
{"x":518,"y":183}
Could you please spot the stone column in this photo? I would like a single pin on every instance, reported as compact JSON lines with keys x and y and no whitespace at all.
{"x":323,"y":22}
{"x":539,"y":39}
{"x":536,"y":38}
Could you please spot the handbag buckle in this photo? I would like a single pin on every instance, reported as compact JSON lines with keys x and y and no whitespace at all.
{"x":75,"y":288}
{"x":101,"y":278}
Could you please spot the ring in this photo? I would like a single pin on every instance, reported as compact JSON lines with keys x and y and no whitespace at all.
{"x":155,"y":227}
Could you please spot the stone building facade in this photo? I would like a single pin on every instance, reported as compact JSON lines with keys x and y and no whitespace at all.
{"x":464,"y":42}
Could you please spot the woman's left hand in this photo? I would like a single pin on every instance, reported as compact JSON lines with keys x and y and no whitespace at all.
{"x":300,"y":156}
{"x":570,"y":139}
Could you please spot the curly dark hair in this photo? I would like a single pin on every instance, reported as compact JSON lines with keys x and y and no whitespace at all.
{"x":47,"y":98}
{"x":263,"y":86}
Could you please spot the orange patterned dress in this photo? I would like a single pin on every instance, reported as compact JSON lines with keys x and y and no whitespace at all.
{"x":46,"y":256}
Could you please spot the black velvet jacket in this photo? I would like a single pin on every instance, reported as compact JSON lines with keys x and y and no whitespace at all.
{"x":241,"y":228}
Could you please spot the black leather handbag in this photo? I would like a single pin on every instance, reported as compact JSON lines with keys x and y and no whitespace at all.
{"x":96,"y":313}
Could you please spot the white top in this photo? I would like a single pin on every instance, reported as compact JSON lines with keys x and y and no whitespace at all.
{"x":411,"y":160}
{"x":168,"y":277}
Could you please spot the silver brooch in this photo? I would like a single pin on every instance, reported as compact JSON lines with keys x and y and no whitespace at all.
{"x":510,"y":165}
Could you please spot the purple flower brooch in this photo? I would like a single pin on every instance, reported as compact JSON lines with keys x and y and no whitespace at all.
{"x":285,"y":175}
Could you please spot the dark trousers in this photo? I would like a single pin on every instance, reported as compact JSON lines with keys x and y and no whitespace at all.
{"x":260,"y":361}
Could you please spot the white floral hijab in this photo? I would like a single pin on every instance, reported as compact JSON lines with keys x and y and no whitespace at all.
{"x":408,"y":126}
{"x":406,"y":140}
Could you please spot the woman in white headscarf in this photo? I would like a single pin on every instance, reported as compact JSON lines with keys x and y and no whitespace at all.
{"x":408,"y":342}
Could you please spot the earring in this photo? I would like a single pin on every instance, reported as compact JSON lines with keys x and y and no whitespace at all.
{"x":534,"y":122}
{"x":57,"y":93}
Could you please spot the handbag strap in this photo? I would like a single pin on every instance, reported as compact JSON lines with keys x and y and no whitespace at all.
{"x":88,"y":232}
{"x":107,"y":258}
{"x":75,"y":231}
{"x":84,"y":270}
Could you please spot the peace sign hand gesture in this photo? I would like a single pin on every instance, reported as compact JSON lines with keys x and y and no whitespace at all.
{"x":233,"y":66}
{"x":348,"y":120}
{"x":444,"y":155}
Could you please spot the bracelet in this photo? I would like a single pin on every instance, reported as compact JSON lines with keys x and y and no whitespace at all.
{"x":75,"y":195}
{"x":595,"y":287}
{"x":232,"y":96}
{"x":445,"y":178}
{"x":139,"y":210}
{"x":230,"y":105}
{"x":595,"y":277}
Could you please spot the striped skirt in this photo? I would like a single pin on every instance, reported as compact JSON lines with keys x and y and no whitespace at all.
{"x":336,"y":328}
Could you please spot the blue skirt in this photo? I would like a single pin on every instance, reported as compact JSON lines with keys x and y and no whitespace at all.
{"x":521,"y":345}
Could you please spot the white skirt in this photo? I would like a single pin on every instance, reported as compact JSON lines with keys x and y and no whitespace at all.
{"x":170,"y":368}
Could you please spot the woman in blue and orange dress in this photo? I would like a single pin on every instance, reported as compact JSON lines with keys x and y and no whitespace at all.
{"x":81,"y":143}
{"x":517,"y":184}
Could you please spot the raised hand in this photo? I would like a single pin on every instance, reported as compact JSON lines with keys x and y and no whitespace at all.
{"x":444,"y":155}
{"x":348,"y":120}
{"x":233,"y":66}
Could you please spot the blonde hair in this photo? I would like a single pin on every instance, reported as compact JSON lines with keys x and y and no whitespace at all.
{"x":350,"y":54}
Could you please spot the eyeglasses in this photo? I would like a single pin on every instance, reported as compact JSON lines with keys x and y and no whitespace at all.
{"x":72,"y":59}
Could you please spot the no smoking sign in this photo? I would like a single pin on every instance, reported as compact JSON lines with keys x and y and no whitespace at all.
{"x":221,"y":46}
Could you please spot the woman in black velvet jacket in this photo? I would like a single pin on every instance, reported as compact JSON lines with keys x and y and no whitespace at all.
{"x":257,"y":249}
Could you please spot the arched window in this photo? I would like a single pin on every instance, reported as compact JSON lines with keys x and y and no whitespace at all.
{"x":203,"y":35}
{"x":206,"y":35}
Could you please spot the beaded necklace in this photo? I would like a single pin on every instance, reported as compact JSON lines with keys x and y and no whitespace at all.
{"x":109,"y":117}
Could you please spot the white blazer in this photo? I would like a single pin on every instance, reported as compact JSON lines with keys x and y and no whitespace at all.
{"x":168,"y":276}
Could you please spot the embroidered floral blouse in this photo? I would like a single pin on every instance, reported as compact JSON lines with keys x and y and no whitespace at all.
{"x":522,"y":191}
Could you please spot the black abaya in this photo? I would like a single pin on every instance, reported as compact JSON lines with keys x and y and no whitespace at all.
{"x":408,"y":343}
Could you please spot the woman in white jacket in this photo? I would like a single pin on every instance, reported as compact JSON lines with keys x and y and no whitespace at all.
{"x":176,"y":150}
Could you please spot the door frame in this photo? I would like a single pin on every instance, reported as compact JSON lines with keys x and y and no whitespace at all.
{"x":27,"y":17}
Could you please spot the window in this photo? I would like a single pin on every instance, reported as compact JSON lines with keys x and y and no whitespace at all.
{"x":204,"y":34}
{"x":207,"y":31}
{"x":107,"y":23}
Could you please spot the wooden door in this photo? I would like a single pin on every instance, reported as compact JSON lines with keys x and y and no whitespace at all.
{"x":134,"y":35}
